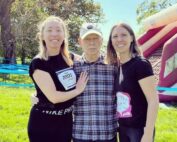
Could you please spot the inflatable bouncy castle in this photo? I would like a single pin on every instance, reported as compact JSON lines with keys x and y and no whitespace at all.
{"x":159,"y":45}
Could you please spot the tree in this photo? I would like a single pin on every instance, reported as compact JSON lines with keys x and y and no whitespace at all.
{"x":75,"y":13}
{"x":26,"y":15}
{"x":148,"y":8}
{"x":8,"y":39}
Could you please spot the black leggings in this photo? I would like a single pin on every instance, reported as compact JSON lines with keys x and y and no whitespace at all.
{"x":49,"y":128}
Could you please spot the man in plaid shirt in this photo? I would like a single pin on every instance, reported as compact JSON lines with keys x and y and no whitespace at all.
{"x":95,"y":109}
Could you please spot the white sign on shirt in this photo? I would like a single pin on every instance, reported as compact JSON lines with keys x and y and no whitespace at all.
{"x":67,"y":77}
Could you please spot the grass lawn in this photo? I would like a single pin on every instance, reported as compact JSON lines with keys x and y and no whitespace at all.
{"x":166,"y":125}
{"x":14,"y":112}
{"x":15,"y":107}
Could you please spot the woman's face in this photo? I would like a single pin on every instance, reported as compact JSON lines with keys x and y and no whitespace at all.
{"x":121,"y":40}
{"x":53,"y":35}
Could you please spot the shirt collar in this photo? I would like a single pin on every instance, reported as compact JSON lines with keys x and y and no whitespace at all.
{"x":99,"y":61}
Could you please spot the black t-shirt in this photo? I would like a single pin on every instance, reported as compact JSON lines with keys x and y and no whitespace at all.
{"x":134,"y":111}
{"x":53,"y":65}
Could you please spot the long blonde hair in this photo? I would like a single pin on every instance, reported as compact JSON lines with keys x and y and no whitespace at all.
{"x":111,"y":57}
{"x":43,"y":54}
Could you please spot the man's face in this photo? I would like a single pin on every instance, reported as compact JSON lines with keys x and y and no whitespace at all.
{"x":91,"y":44}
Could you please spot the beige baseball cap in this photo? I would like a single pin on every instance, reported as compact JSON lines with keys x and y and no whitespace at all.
{"x":89,"y":28}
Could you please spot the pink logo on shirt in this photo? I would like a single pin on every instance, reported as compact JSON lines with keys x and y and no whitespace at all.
{"x":124,"y":107}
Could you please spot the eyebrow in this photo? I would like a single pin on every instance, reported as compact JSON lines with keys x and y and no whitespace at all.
{"x":54,"y":27}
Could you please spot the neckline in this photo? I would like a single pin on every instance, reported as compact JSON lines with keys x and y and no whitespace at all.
{"x":53,"y":56}
{"x":130,"y":60}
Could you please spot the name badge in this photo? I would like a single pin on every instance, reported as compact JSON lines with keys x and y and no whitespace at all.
{"x":124,"y":107}
{"x":67,"y":77}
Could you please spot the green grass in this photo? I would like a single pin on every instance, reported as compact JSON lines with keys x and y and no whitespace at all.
{"x":166,"y":126}
{"x":14,"y":114}
{"x":15,"y":79}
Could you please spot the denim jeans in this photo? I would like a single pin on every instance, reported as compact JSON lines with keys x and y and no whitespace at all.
{"x":112,"y":140}
{"x":127,"y":134}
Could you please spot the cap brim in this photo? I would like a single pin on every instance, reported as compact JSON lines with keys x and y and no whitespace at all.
{"x":91,"y":32}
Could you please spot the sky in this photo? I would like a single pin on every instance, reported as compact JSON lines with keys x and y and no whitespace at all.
{"x":116,"y":11}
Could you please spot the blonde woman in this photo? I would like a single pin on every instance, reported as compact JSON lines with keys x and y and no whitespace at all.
{"x":137,"y":100}
{"x":55,"y":82}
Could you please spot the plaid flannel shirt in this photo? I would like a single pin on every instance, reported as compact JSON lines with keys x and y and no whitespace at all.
{"x":95,"y":108}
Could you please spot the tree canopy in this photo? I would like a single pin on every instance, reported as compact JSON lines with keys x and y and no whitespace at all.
{"x":26,"y":15}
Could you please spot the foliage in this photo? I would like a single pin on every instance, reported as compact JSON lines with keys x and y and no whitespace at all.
{"x":74,"y":13}
{"x":26,"y":15}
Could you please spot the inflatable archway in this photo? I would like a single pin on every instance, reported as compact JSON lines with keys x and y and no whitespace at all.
{"x":159,"y":45}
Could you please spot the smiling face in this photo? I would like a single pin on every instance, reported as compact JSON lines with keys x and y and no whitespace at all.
{"x":121,"y":40}
{"x":53,"y":35}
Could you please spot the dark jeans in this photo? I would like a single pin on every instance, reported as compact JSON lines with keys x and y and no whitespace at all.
{"x":112,"y":140}
{"x":127,"y":134}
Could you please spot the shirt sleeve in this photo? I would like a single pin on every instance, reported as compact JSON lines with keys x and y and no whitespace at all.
{"x":36,"y":64}
{"x":143,"y":69}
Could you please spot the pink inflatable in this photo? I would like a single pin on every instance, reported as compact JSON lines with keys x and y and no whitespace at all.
{"x":168,"y":72}
{"x":162,"y":34}
{"x":160,"y":42}
{"x":146,"y":36}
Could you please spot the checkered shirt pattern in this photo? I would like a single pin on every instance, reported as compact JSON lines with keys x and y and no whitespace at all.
{"x":95,"y":108}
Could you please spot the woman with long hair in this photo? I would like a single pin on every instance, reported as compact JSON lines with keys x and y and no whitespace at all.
{"x":137,"y":100}
{"x":55,"y":82}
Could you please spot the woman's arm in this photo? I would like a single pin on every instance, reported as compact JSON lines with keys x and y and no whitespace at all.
{"x":149,"y":88}
{"x":47,"y":86}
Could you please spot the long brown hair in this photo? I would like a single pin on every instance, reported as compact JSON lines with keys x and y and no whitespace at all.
{"x":111,"y":57}
{"x":43,"y":54}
